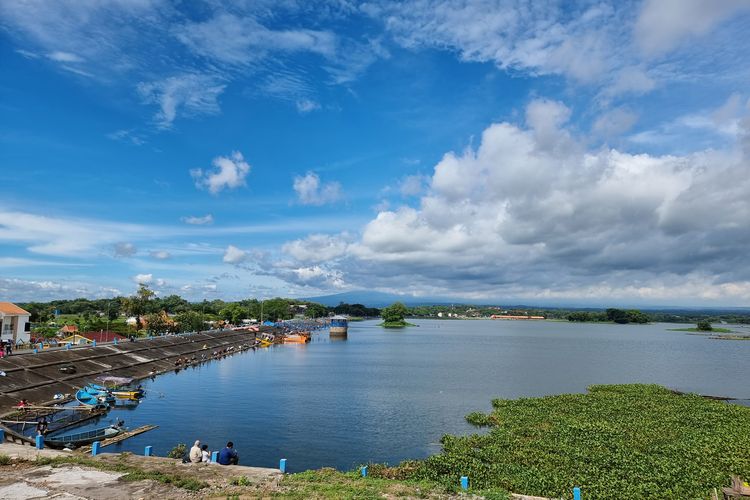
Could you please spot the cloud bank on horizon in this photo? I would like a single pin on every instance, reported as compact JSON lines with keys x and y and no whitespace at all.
{"x":584,"y":152}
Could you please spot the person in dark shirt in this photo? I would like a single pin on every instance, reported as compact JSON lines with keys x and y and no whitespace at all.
{"x":229,"y":456}
{"x":41,"y":427}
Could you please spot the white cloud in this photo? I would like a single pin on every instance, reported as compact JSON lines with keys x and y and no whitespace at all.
{"x":65,"y":57}
{"x":316,"y":248}
{"x":307,"y":105}
{"x":531,"y":213}
{"x":413,"y":185}
{"x":143,"y":279}
{"x":190,"y":94}
{"x":663,"y":24}
{"x":124,"y":249}
{"x":228,"y":173}
{"x":160,"y":254}
{"x":310,"y":191}
{"x":198,"y":221}
{"x":234,"y":255}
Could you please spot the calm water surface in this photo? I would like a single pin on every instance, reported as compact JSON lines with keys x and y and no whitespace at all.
{"x":386,"y":396}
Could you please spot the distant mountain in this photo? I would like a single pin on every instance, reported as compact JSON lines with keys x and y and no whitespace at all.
{"x":379,"y":299}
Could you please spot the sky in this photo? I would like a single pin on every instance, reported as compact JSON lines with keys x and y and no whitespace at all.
{"x":549,"y":151}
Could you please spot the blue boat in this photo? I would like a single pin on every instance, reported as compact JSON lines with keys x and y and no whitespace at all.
{"x":97,"y":400}
{"x":82,"y":438}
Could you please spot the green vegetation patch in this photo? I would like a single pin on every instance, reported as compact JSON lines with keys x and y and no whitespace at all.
{"x":706,"y":332}
{"x":617,"y":441}
{"x":329,"y":483}
{"x":396,"y":324}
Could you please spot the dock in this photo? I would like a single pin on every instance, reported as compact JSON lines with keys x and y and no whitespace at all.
{"x":37,"y":377}
{"x":120,"y":437}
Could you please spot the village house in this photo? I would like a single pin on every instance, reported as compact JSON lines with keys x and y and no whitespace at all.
{"x":14,"y":323}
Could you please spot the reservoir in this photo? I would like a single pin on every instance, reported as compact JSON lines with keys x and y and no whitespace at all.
{"x":389,"y":395}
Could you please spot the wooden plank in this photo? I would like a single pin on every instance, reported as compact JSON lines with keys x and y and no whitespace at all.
{"x":120,"y":437}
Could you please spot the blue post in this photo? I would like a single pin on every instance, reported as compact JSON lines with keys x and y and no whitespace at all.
{"x":364,"y":471}
{"x":282,"y":465}
{"x":215,"y":457}
{"x":576,"y":493}
{"x":95,"y":448}
{"x":67,"y":346}
{"x":35,"y":350}
{"x":115,"y":342}
{"x":149,"y":451}
{"x":41,"y":346}
{"x":40,"y":442}
{"x":2,"y":436}
{"x":464,"y":483}
{"x":93,"y":343}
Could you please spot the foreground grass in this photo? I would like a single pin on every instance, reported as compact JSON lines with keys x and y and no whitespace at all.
{"x":329,"y":483}
{"x":617,"y":441}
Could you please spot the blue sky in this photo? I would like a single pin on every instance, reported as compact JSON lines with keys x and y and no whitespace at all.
{"x":586,"y":152}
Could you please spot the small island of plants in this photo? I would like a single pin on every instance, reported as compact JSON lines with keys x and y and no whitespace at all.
{"x":393,"y":316}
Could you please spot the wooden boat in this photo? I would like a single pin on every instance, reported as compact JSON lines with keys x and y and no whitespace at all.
{"x":266,"y":339}
{"x":82,"y":438}
{"x":297,"y":338}
{"x":118,"y":392}
{"x":128,"y":394}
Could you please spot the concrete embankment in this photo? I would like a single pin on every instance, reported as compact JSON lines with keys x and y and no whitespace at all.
{"x":37,"y":377}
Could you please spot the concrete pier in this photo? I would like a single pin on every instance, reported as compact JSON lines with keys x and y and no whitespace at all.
{"x":37,"y":377}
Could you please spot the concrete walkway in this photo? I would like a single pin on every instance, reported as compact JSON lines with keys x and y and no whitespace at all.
{"x":25,"y":480}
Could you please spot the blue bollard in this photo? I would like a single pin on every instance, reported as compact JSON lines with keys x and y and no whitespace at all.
{"x":95,"y":448}
{"x":93,"y":343}
{"x":41,"y":346}
{"x":364,"y":471}
{"x":215,"y":457}
{"x":464,"y":483}
{"x":35,"y":350}
{"x":2,"y":436}
{"x":282,"y":465}
{"x":40,"y":442}
{"x":67,"y":346}
{"x":576,"y":493}
{"x":115,"y":342}
{"x":149,"y":451}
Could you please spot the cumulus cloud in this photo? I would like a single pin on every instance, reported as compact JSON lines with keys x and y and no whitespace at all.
{"x":124,"y":249}
{"x":227,"y":173}
{"x":143,"y":279}
{"x":160,"y":254}
{"x":614,"y":122}
{"x":234,"y":255}
{"x":19,"y":290}
{"x":310,"y":191}
{"x":532,"y":213}
{"x":198,"y":221}
{"x":413,"y":185}
{"x":190,"y":94}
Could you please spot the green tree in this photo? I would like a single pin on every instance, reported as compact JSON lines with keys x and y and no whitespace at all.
{"x":395,"y":313}
{"x":189,"y":321}
{"x":315,"y":310}
{"x":158,"y":322}
{"x":704,"y":326}
{"x":138,"y":304}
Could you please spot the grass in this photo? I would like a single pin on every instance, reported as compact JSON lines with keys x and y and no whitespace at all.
{"x":329,"y":483}
{"x":707,"y":332}
{"x":132,"y":473}
{"x":4,"y":459}
{"x":617,"y":441}
{"x":396,"y":324}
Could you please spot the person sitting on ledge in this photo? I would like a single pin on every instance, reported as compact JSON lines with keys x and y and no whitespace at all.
{"x":195,"y":452}
{"x":229,"y":456}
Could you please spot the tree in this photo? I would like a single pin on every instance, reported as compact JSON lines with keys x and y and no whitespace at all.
{"x":617,"y":315}
{"x":189,"y":321}
{"x":315,"y":310}
{"x":138,"y":304}
{"x":704,"y":326}
{"x":395,"y":313}
{"x":158,"y":322}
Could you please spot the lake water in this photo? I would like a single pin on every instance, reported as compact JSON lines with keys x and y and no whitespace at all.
{"x":389,"y":395}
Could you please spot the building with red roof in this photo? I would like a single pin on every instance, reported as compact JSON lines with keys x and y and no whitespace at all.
{"x":102,"y":336}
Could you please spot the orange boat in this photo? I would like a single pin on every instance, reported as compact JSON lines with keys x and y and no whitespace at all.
{"x":297,"y":338}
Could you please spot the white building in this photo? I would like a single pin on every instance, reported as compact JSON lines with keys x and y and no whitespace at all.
{"x":14,"y":323}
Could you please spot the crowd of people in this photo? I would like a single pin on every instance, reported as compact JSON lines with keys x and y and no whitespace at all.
{"x":200,"y":454}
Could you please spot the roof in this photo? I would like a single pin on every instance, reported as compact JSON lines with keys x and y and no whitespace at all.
{"x":12,"y":309}
{"x":103,"y":336}
{"x":69,"y":328}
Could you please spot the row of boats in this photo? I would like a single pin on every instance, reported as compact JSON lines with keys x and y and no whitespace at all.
{"x":99,"y":396}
